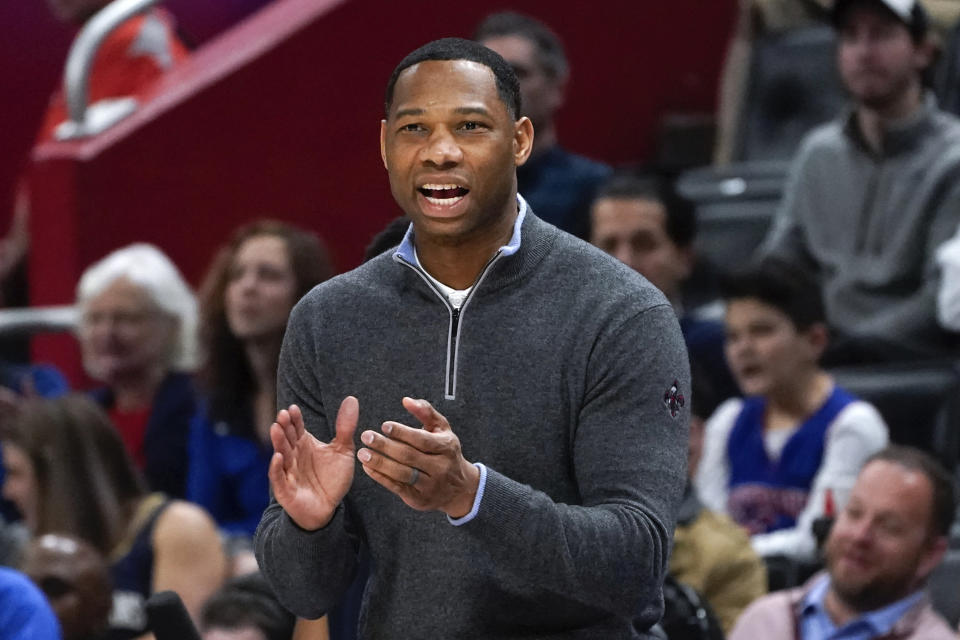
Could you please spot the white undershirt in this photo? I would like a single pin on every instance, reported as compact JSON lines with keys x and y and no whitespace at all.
{"x":454,"y":296}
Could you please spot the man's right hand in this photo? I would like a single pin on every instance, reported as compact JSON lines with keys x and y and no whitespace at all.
{"x":310,"y":478}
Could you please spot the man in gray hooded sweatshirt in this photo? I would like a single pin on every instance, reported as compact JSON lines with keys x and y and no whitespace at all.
{"x":872,"y":195}
{"x":551,"y":382}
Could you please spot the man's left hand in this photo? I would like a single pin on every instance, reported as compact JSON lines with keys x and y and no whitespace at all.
{"x":424,"y":467}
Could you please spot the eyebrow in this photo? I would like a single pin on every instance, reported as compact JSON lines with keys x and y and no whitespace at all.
{"x":414,"y":111}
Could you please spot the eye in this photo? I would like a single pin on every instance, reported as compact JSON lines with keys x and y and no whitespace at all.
{"x":411,"y":128}
{"x":473,"y":125}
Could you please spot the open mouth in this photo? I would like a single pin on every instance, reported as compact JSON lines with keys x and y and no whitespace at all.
{"x":443,"y":195}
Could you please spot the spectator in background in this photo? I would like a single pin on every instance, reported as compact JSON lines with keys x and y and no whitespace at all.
{"x":712,"y":553}
{"x":557,"y":184}
{"x":24,"y":612}
{"x":770,"y":459}
{"x":247,"y":295}
{"x":872,"y":195}
{"x":137,"y":335}
{"x":76,"y":580}
{"x":129,"y":60}
{"x":245,"y":609}
{"x":887,"y":539}
{"x":642,"y":221}
{"x":68,"y":472}
{"x":757,"y":19}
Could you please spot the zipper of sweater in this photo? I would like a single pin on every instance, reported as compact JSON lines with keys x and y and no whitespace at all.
{"x":453,"y":338}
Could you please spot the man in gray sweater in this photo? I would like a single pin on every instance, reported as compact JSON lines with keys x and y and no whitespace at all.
{"x":872,"y":195}
{"x":559,"y":372}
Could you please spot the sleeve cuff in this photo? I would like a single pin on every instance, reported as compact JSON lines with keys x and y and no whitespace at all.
{"x":476,"y":501}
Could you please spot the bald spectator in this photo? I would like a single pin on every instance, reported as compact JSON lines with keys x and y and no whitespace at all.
{"x":557,"y":184}
{"x":872,"y":195}
{"x":76,"y":580}
{"x":885,"y":543}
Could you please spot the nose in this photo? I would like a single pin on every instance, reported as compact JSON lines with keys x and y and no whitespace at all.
{"x":624,"y":253}
{"x":442,"y":149}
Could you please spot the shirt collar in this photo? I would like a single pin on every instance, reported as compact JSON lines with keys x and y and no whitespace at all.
{"x":880,"y":621}
{"x":406,"y":249}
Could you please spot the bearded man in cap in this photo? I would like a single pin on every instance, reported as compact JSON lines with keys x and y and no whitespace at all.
{"x":872,"y":195}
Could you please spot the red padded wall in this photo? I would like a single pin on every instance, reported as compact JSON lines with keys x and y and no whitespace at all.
{"x":280,"y":116}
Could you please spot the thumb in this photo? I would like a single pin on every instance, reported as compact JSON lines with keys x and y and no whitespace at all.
{"x":423,"y":411}
{"x":347,"y":417}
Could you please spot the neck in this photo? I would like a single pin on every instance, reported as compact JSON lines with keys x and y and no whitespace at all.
{"x":838,"y":609}
{"x":135,"y":392}
{"x":263,"y":355}
{"x":806,"y":393}
{"x":459,"y":264}
{"x":873,"y":121}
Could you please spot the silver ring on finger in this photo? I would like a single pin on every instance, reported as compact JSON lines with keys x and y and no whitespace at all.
{"x":414,"y":476}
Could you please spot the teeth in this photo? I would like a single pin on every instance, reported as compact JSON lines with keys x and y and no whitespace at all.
{"x":440,"y":187}
{"x":444,"y":202}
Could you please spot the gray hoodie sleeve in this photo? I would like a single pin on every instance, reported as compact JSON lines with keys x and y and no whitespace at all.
{"x":630,"y":454}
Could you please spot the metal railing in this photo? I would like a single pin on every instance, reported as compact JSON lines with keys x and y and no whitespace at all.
{"x":38,"y":320}
{"x":76,"y":77}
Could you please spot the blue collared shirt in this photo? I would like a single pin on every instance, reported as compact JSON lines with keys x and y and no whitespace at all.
{"x":815,"y":622}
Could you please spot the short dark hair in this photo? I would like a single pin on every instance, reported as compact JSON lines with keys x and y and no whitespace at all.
{"x":549,"y":50}
{"x":681,"y":214}
{"x":508,"y":87}
{"x":779,"y":285}
{"x":944,"y":504}
{"x":388,"y":238}
{"x":248,"y":601}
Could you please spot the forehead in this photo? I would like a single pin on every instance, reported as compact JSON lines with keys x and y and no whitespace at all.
{"x":122,"y":293}
{"x":262,"y":246}
{"x":517,"y":50}
{"x":750,"y":309}
{"x":888,"y":487}
{"x":630,"y":214}
{"x":442,"y":85}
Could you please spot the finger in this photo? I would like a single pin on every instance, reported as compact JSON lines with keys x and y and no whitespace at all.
{"x":280,"y":443}
{"x":402,"y":489}
{"x":347,"y":418}
{"x":420,"y":439}
{"x":398,"y":450}
{"x":286,"y":423}
{"x":296,"y":418}
{"x":423,"y":411}
{"x":278,"y":478}
{"x":399,"y":472}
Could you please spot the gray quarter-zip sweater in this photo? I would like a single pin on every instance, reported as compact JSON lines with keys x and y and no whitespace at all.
{"x":564,"y":374}
{"x":868,"y":226}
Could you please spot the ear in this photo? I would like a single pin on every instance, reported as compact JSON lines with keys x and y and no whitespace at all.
{"x":818,"y":336}
{"x":925,"y":54}
{"x":931,"y":557}
{"x":558,"y":93}
{"x":688,"y":259}
{"x":383,"y":143}
{"x":522,"y":140}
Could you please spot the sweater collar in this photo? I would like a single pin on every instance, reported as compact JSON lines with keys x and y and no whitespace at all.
{"x":900,"y":135}
{"x":530,"y":242}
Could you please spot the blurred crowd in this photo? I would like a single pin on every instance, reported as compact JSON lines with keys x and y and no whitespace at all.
{"x":798,"y":486}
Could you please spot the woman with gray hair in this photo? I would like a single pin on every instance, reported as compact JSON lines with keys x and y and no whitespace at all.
{"x":137,"y":333}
